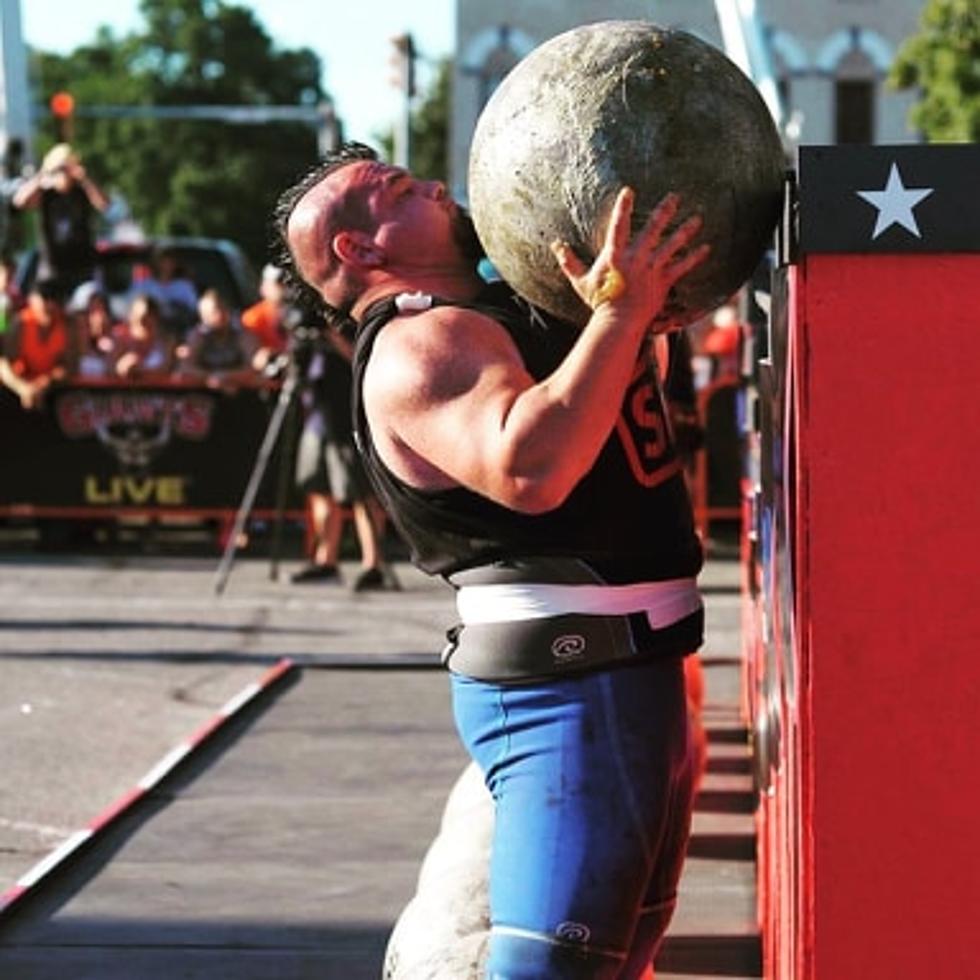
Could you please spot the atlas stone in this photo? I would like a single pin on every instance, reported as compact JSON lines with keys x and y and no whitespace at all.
{"x":624,"y":103}
{"x":443,"y":933}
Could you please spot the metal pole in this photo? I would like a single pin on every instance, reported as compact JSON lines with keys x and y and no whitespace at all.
{"x":328,"y":129}
{"x":405,"y":82}
{"x":15,"y":116}
{"x":258,"y":471}
{"x":403,"y":136}
{"x":287,"y":453}
{"x":744,"y":43}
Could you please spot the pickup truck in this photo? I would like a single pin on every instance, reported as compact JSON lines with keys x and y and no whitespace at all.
{"x":210,"y":262}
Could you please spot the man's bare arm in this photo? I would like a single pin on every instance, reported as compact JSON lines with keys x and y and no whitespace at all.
{"x":28,"y":193}
{"x":96,"y":196}
{"x":450,"y":402}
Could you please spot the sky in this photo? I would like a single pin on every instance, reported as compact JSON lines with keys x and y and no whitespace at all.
{"x":352,"y":38}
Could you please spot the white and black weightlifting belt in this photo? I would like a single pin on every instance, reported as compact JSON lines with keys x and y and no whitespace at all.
{"x":537,"y":618}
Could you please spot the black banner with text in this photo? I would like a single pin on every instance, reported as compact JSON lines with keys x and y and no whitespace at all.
{"x":123,"y":447}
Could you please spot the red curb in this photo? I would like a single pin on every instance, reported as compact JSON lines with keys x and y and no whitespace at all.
{"x":29,"y":881}
{"x":111,"y":812}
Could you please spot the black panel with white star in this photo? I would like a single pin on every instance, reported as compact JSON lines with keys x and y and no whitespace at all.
{"x":905,"y":198}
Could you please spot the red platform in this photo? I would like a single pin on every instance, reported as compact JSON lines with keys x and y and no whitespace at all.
{"x":863,"y":625}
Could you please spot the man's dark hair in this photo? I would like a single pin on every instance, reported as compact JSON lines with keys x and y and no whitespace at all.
{"x":307,"y":298}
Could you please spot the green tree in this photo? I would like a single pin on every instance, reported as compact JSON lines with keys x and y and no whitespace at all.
{"x":430,"y":128}
{"x":943,"y":61}
{"x":190,"y":176}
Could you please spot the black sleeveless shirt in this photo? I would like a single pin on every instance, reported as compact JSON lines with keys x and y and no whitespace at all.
{"x":630,"y":516}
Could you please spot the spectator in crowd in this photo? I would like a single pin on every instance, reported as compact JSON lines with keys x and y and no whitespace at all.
{"x":10,"y":300}
{"x":329,"y":471}
{"x":218,"y":351}
{"x":167,"y":282}
{"x":722,"y":341}
{"x":68,"y":200}
{"x":13,"y":173}
{"x":267,"y":319}
{"x":177,"y":291}
{"x":145,"y":352}
{"x":95,"y":333}
{"x":682,"y":401}
{"x":36,"y":348}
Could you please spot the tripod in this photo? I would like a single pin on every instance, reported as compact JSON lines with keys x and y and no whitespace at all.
{"x":295,"y":364}
{"x":284,"y":404}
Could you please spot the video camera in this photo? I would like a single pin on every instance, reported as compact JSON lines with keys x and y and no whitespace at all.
{"x":308,"y":333}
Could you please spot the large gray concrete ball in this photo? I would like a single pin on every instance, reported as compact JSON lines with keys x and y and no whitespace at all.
{"x":614,"y":103}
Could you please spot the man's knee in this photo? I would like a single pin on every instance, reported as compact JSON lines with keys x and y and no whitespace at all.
{"x":519,"y":955}
{"x":651,"y":927}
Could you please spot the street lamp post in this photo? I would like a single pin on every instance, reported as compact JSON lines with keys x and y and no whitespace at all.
{"x":15,"y":117}
{"x":403,"y":78}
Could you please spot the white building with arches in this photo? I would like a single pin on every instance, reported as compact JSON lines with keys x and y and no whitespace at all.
{"x":829,"y":59}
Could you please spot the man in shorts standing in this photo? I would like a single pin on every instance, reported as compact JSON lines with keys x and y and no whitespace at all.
{"x":329,"y":471}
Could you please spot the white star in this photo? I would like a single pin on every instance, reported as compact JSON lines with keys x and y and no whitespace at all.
{"x":895,"y":203}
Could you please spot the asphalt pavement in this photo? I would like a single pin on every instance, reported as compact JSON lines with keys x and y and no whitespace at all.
{"x":109,"y":661}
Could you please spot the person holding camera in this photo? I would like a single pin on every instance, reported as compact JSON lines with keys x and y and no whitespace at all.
{"x":328,"y":469}
{"x":68,"y":200}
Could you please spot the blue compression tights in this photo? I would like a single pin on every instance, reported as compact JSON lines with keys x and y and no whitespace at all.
{"x":592,"y":778}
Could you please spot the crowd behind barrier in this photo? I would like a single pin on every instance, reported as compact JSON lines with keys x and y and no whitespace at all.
{"x":171,"y":338}
{"x":167,"y":332}
{"x":145,"y":324}
{"x":75,"y":321}
{"x":145,"y":399}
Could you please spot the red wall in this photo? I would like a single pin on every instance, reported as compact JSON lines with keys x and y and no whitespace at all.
{"x":888,"y":591}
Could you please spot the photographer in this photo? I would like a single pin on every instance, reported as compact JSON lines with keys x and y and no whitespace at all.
{"x":328,"y":469}
{"x":68,"y":199}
